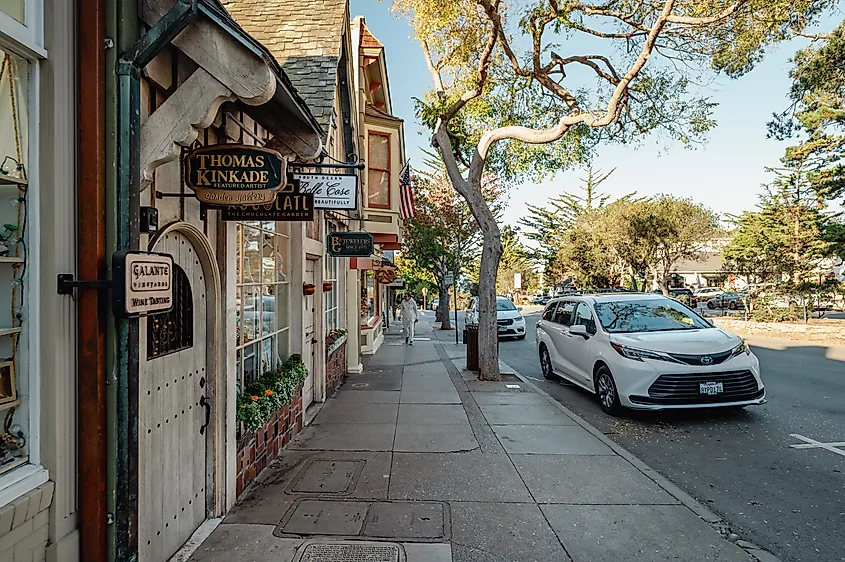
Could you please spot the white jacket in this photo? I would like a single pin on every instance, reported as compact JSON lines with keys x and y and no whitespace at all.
{"x":409,"y":311}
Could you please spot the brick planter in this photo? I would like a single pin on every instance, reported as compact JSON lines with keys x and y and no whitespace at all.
{"x":257,"y":449}
{"x":335,"y":367}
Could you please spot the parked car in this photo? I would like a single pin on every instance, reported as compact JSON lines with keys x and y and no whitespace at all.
{"x":434,"y":304}
{"x":647,"y":352}
{"x":706,"y":293}
{"x":680,"y":293}
{"x":508,"y":317}
{"x":730,"y":299}
{"x":540,"y":299}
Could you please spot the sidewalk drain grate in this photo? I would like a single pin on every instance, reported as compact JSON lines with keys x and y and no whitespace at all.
{"x":350,"y":552}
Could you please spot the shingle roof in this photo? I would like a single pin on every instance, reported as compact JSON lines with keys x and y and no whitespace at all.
{"x":305,"y":36}
{"x":373,"y":111}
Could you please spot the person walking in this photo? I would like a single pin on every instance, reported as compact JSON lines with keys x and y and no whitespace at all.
{"x":410,"y":316}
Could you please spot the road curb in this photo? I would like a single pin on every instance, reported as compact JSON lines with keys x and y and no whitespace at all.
{"x":758,"y":553}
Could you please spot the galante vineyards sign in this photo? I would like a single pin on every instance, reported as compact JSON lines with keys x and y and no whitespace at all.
{"x":330,"y":191}
{"x":235,"y":174}
{"x":143,"y":283}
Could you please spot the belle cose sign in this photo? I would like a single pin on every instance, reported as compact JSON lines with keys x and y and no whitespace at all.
{"x":330,"y":191}
{"x":234,"y":174}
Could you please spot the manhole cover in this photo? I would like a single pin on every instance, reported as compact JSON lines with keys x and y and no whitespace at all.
{"x":350,"y":552}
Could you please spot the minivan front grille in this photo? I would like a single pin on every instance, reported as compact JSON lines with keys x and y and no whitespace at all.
{"x":505,"y":321}
{"x":715,"y":358}
{"x":685,"y":388}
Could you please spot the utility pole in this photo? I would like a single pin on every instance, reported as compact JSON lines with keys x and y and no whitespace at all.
{"x":455,"y":280}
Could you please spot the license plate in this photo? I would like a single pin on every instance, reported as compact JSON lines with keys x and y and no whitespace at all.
{"x":710,"y":388}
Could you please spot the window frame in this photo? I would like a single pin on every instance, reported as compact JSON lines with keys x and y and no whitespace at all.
{"x":591,"y":326}
{"x":242,"y":286}
{"x":26,"y":42}
{"x":331,"y":299}
{"x":560,"y":308}
{"x":370,"y":168}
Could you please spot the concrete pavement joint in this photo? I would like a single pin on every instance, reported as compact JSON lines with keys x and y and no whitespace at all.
{"x":715,"y":521}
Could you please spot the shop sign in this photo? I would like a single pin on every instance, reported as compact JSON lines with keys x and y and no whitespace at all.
{"x":235,"y":174}
{"x":386,"y":275}
{"x":143,"y":283}
{"x":287,"y":206}
{"x":330,"y":191}
{"x":350,"y":244}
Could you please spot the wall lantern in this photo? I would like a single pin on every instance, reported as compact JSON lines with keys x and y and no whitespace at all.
{"x":308,"y":289}
{"x":328,"y":286}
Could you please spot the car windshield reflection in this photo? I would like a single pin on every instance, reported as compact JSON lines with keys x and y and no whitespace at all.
{"x":659,"y":315}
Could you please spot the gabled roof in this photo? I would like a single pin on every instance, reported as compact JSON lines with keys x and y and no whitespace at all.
{"x":367,"y":38}
{"x":306,"y":38}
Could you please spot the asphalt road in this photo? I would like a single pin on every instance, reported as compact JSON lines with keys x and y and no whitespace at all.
{"x":789,"y":501}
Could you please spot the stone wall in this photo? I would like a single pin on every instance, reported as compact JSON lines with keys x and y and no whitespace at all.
{"x":257,"y":449}
{"x":24,"y":526}
{"x":335,"y":368}
{"x":832,"y":332}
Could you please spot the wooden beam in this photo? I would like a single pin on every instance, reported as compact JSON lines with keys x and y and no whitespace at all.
{"x":178,"y":120}
{"x":247,"y":75}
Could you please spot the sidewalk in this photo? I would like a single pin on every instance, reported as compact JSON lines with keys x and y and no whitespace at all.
{"x":413,"y":460}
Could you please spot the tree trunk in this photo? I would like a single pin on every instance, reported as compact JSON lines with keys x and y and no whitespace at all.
{"x":443,"y":309}
{"x":488,"y":331}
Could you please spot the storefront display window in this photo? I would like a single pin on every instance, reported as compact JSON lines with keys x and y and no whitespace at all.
{"x":16,"y":387}
{"x":368,"y":296}
{"x":262,"y":272}
{"x":331,"y":297}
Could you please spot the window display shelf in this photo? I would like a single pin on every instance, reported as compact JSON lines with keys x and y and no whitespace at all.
{"x":9,"y":180}
{"x":10,"y":259}
{"x":9,"y":331}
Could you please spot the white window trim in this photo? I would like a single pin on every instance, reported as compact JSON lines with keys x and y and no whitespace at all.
{"x":29,"y":476}
{"x":28,"y":39}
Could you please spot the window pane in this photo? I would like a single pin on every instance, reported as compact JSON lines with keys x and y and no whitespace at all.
{"x":239,"y":386}
{"x":238,"y":242}
{"x":282,"y":297}
{"x":268,"y":315}
{"x":252,"y":318}
{"x":378,"y":188}
{"x":13,"y":108}
{"x":14,"y":9}
{"x":379,"y":153}
{"x":584,"y":317}
{"x":252,"y":256}
{"x":564,"y":313}
{"x":250,"y":360}
{"x":268,"y":259}
{"x":268,"y":347}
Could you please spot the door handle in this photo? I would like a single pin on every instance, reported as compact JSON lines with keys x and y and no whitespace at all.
{"x":205,"y":403}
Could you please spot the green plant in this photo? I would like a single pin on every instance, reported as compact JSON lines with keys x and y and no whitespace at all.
{"x":270,"y":392}
{"x":334,"y":336}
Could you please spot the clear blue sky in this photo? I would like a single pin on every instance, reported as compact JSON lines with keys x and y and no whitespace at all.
{"x":725,"y":174}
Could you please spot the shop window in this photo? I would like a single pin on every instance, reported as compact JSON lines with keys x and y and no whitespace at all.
{"x":174,"y":331}
{"x":378,"y":171}
{"x":262,"y":269}
{"x":331,"y":298}
{"x":368,"y":296}
{"x":16,"y":381}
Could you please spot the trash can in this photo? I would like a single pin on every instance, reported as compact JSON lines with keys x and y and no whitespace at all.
{"x":472,"y":347}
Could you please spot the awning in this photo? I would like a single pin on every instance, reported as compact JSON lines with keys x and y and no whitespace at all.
{"x":387,"y":241}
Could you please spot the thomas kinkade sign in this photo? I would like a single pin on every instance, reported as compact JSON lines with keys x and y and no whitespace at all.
{"x":330,"y":191}
{"x":234,"y":174}
{"x":350,"y":244}
{"x":143,"y":283}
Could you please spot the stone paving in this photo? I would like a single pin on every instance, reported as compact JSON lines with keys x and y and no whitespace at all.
{"x":413,"y":460}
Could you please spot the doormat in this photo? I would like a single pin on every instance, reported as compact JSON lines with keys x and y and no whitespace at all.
{"x":350,"y":552}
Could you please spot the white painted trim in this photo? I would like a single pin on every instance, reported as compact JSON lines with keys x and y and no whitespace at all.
{"x":192,"y":544}
{"x":28,"y":39}
{"x":21,"y":481}
{"x":31,"y":297}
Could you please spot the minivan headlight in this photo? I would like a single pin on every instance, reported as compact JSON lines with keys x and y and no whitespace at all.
{"x":740,"y":349}
{"x":639,"y":354}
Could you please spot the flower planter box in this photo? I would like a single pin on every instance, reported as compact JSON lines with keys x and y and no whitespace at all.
{"x":258,"y":448}
{"x":335,"y":365}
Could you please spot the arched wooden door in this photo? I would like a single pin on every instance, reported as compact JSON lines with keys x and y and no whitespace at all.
{"x":174,"y":411}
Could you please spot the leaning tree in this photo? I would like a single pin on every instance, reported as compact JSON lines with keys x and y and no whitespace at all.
{"x":527,"y":88}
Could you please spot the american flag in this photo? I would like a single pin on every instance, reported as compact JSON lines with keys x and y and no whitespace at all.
{"x":406,"y":193}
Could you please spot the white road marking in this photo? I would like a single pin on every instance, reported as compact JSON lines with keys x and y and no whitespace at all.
{"x":813,"y":444}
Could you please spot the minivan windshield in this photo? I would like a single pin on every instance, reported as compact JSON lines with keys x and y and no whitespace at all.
{"x":647,"y":315}
{"x":503,"y":303}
